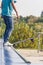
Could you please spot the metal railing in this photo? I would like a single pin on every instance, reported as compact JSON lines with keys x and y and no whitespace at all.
{"x":39,"y":33}
{"x":32,"y":39}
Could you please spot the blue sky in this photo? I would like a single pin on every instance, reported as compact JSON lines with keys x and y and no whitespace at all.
{"x":29,"y":7}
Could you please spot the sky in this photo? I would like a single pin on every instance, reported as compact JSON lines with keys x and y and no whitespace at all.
{"x":29,"y":7}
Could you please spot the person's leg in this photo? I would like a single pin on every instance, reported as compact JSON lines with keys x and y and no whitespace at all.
{"x":8,"y":30}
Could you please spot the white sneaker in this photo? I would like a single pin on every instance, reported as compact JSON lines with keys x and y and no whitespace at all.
{"x":8,"y":44}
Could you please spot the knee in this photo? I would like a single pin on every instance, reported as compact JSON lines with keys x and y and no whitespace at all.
{"x":10,"y":27}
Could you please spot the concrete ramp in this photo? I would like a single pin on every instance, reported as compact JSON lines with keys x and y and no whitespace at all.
{"x":9,"y":57}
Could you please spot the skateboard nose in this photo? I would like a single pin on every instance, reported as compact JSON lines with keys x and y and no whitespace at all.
{"x":32,"y":40}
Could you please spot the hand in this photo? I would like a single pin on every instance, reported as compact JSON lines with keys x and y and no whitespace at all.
{"x":17,"y":15}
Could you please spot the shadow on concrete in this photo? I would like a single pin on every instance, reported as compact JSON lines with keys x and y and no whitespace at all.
{"x":7,"y":57}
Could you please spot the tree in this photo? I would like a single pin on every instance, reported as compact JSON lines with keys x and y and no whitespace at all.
{"x":42,"y":14}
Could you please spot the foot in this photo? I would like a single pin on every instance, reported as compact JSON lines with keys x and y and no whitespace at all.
{"x":8,"y":44}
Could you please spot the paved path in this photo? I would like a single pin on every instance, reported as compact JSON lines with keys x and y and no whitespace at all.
{"x":9,"y":57}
